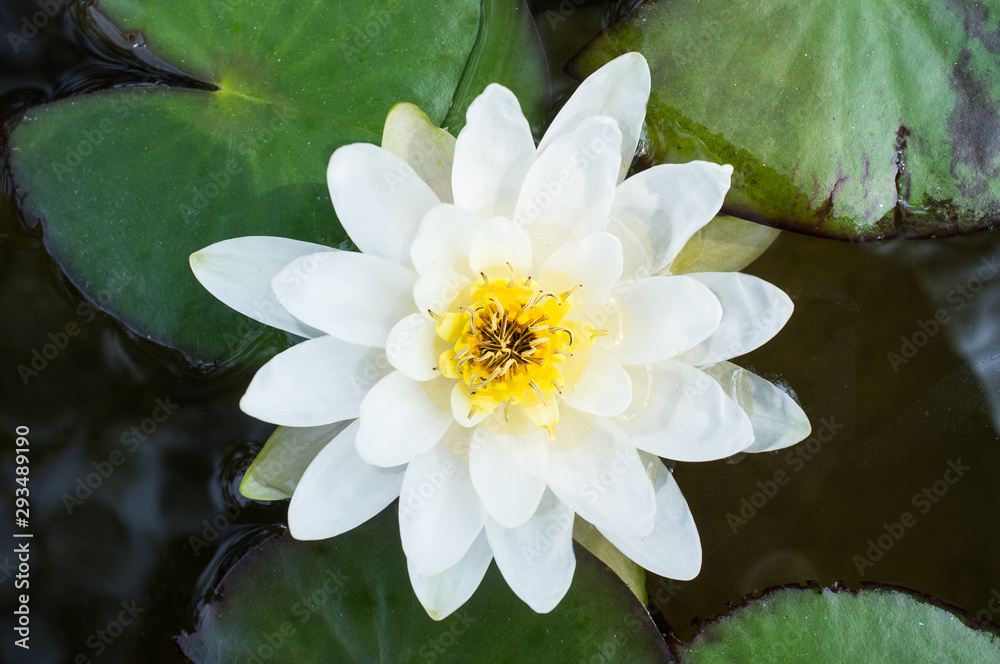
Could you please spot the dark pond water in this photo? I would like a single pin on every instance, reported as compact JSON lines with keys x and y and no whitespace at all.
{"x":134,"y":453}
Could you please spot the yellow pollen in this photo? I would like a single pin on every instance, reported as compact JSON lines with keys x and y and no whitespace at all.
{"x":507,"y":338}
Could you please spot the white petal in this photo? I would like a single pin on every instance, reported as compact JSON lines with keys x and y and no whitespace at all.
{"x":410,"y":135}
{"x":537,"y":558}
{"x":673,"y":549}
{"x":572,"y":183}
{"x":410,"y":348}
{"x":339,"y":491}
{"x":620,"y":90}
{"x":399,"y":421}
{"x":603,"y":479}
{"x":595,"y":262}
{"x":604,"y":388}
{"x":656,"y":212}
{"x":442,"y":242}
{"x":499,"y":241}
{"x":777,"y":420}
{"x":680,"y":413}
{"x":752,"y":312}
{"x":354,"y":297}
{"x":461,"y":406}
{"x":442,"y":594}
{"x":494,"y":151}
{"x":666,"y":316}
{"x":439,"y":513}
{"x":379,"y":199}
{"x":316,"y":382}
{"x":435,"y":291}
{"x":239,"y":271}
{"x":509,"y":471}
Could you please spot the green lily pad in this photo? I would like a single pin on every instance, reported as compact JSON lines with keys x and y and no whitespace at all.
{"x":871,"y":626}
{"x":348,"y":599}
{"x":853,"y":119}
{"x":129,"y":182}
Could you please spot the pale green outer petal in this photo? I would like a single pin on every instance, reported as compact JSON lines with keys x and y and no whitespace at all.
{"x":442,"y":241}
{"x":572,"y":183}
{"x":725,"y":244}
{"x":665,"y":316}
{"x":339,"y":491}
{"x":429,"y":150}
{"x":509,"y":471}
{"x":410,"y":348}
{"x":239,"y":271}
{"x":379,"y":199}
{"x":279,"y":465}
{"x":595,"y":263}
{"x":777,"y":420}
{"x":537,"y":558}
{"x":673,"y":549}
{"x":656,"y":211}
{"x":352,"y":296}
{"x":440,"y":515}
{"x":602,"y":477}
{"x":499,"y":241}
{"x":442,"y":594}
{"x":681,"y":413}
{"x":753,"y":311}
{"x":590,"y":538}
{"x":494,"y":151}
{"x":620,"y":90}
{"x":603,"y":389}
{"x":318,"y":381}
{"x":435,"y":291}
{"x":399,"y":421}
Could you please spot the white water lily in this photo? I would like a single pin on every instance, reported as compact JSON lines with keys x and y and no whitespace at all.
{"x":510,"y":343}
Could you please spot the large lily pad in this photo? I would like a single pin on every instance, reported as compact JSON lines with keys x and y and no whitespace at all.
{"x":129,"y":182}
{"x":870,"y":627}
{"x":294,"y":601}
{"x":855,"y":119}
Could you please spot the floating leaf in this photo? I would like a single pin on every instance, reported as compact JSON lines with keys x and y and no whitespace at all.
{"x":348,"y":599}
{"x":851,"y":119}
{"x":129,"y":182}
{"x":872,"y":626}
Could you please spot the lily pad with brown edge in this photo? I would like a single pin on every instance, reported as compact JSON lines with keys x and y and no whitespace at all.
{"x":854,"y":120}
{"x":293,"y":601}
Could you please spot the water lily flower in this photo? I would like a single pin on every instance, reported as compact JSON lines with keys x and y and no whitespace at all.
{"x":510,"y":343}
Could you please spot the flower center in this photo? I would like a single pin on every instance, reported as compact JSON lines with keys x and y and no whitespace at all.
{"x":507,"y":340}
